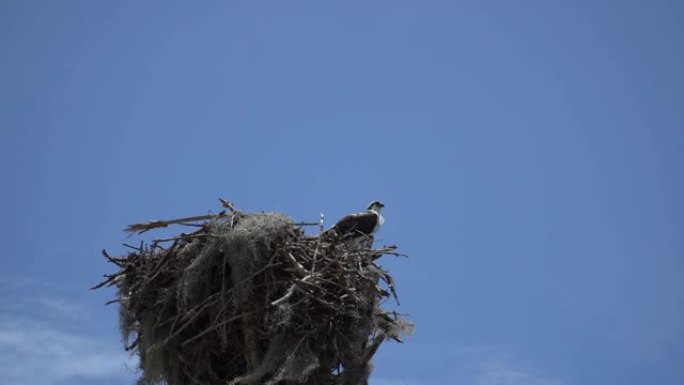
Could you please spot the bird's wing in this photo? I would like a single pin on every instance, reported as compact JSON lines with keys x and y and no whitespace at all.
{"x":361,"y":223}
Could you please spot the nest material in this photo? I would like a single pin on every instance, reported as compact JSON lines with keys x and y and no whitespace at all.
{"x":250,"y":299}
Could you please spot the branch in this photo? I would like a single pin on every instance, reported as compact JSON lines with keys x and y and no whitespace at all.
{"x":228,"y":205}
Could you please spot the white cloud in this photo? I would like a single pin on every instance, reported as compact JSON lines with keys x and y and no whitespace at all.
{"x":391,"y":381}
{"x":61,"y":307}
{"x":511,"y":375}
{"x":43,"y":341}
{"x":498,"y":365}
{"x":38,"y":353}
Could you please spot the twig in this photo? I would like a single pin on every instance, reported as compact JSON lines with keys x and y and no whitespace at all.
{"x":225,"y":322}
{"x":133,"y":247}
{"x":111,"y":279}
{"x":182,"y":237}
{"x":284,"y":298}
{"x":373,"y":348}
{"x":306,"y":223}
{"x":298,"y":268}
{"x":229,"y":205}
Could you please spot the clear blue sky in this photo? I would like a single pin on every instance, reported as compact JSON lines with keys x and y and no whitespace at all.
{"x":530,"y":154}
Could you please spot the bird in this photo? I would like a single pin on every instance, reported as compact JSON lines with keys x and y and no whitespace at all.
{"x":361,"y":224}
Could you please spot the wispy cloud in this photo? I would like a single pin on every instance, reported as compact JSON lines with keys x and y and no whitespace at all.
{"x":61,"y":307}
{"x":39,"y":353}
{"x":42,"y":342}
{"x":498,"y":365}
{"x":390,"y":381}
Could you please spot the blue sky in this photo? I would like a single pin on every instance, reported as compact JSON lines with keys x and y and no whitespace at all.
{"x":530,"y":155}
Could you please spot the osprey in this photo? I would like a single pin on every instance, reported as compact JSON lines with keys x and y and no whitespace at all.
{"x":356,"y":225}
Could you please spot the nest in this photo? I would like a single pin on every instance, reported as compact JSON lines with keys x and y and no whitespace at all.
{"x":251,"y":299}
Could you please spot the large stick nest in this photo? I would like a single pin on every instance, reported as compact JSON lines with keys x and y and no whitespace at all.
{"x":251,"y":299}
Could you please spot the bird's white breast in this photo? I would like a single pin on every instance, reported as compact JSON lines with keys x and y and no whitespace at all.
{"x":381,"y":220}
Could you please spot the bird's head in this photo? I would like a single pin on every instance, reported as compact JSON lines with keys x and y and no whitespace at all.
{"x":375,"y":206}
